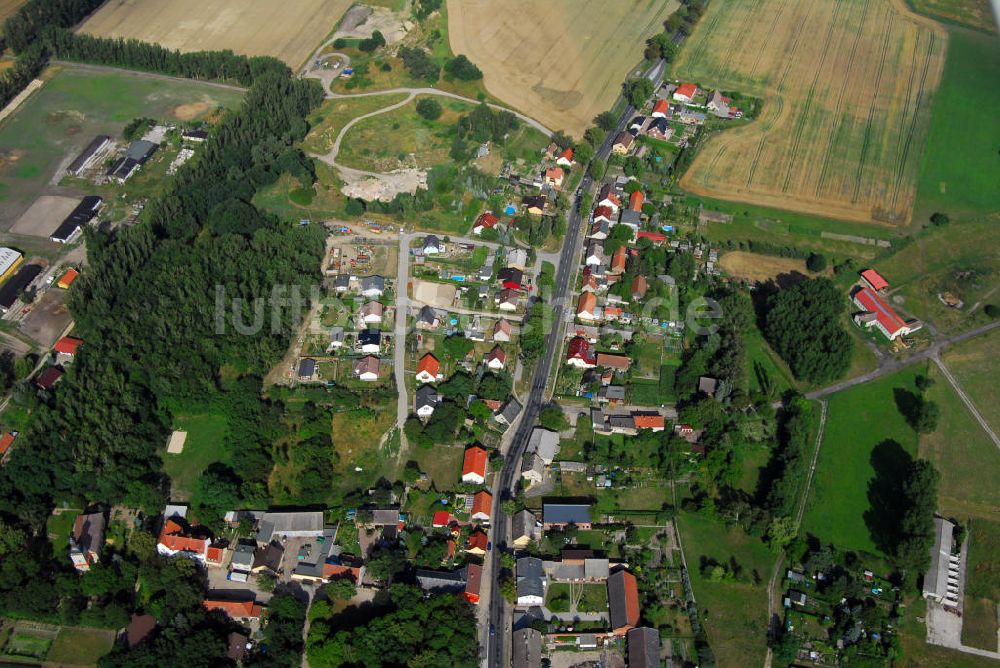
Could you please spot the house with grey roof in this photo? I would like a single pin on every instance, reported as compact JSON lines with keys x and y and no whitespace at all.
{"x":532,"y":468}
{"x":531,"y":582}
{"x":243,"y":556}
{"x":428,"y":318}
{"x":432,"y":245}
{"x":509,"y":412}
{"x":440,"y":582}
{"x":336,"y":339}
{"x":427,"y":399}
{"x":372,"y":287}
{"x":295,"y":524}
{"x":526,"y":648}
{"x":631,"y":219}
{"x":524,"y":529}
{"x":86,"y":541}
{"x":562,"y":514}
{"x":643,"y":647}
{"x":342,"y":283}
{"x":307,"y":369}
{"x":268,"y":558}
{"x":613,"y":394}
{"x":544,"y":444}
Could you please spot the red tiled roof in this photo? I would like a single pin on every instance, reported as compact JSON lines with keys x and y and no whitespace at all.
{"x":639,"y":286}
{"x":617,"y":362}
{"x":478,"y":540}
{"x":486,"y":220}
{"x":430,"y":364}
{"x":450,"y":548}
{"x":603,"y":211}
{"x":49,"y":377}
{"x":655,"y":237}
{"x":554,"y":173}
{"x":214,"y":555}
{"x":635,"y":200}
{"x":67,"y":279}
{"x":497,"y":354}
{"x":618,"y":259}
{"x":568,"y":154}
{"x":67,"y":345}
{"x":627,"y":598}
{"x":661,"y":107}
{"x":441,"y":518}
{"x":875,"y":279}
{"x":5,"y":442}
{"x":332,"y":571}
{"x":502,"y":326}
{"x":648,"y":421}
{"x":579,"y":348}
{"x":177,"y":543}
{"x":482,"y":502}
{"x":686,"y":89}
{"x":235,"y":609}
{"x":586,"y":303}
{"x":612,"y":312}
{"x":872,"y":302}
{"x":492,"y":404}
{"x":475,"y":461}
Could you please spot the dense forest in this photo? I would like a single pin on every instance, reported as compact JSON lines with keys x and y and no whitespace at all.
{"x":166,"y":309}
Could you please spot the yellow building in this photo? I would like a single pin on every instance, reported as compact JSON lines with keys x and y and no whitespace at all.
{"x":10,"y":260}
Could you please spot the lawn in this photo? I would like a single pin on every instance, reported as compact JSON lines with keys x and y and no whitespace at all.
{"x":734,"y":612}
{"x":80,"y":646}
{"x":402,"y":138}
{"x":974,"y":13}
{"x":982,"y":585}
{"x":26,"y":645}
{"x":594,"y":598}
{"x":975,"y":365}
{"x":964,"y":454}
{"x":647,"y":356}
{"x":654,"y":392}
{"x":205,"y":445}
{"x":766,"y":372}
{"x":961,"y":167}
{"x":59,"y":527}
{"x":959,"y":258}
{"x":753,"y":458}
{"x":858,"y":420}
{"x":442,"y":464}
{"x":557,"y":597}
{"x":59,"y":120}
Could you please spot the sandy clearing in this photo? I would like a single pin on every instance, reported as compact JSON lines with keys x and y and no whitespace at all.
{"x":287,"y":30}
{"x":560,"y":61}
{"x":189,"y":112}
{"x":441,"y":295}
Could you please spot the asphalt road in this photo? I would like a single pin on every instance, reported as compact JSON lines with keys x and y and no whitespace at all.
{"x":499,"y":641}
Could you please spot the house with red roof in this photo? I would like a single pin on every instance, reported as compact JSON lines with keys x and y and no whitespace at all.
{"x":876,"y":312}
{"x":482,"y":506}
{"x":635,"y":200}
{"x":586,"y":306}
{"x":565,"y":158}
{"x":652,"y":421}
{"x":623,"y":602}
{"x":615,"y":362}
{"x":612,"y":313}
{"x":176,"y":539}
{"x":496,"y":358}
{"x":67,"y":279}
{"x":655,"y":237}
{"x":578,"y":353}
{"x":474,"y":465}
{"x":554,"y":177}
{"x":6,"y":443}
{"x":428,"y":369}
{"x":618,"y":261}
{"x":502,"y":330}
{"x":441,"y":519}
{"x":604,"y":213}
{"x":478,"y":542}
{"x":67,"y":346}
{"x":485,"y":221}
{"x":685,"y":92}
{"x":660,"y":109}
{"x":639,"y":287}
{"x":236,"y":610}
{"x":874,"y":280}
{"x":47,"y":379}
{"x":607,"y":196}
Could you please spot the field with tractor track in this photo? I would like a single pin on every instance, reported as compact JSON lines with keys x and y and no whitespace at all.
{"x":848,"y":89}
{"x":286,"y":30}
{"x":559,"y":61}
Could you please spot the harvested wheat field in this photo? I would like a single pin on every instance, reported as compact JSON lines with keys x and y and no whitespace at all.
{"x":8,"y":7}
{"x":760,"y":268}
{"x":559,"y":61}
{"x":848,"y":88}
{"x":287,"y":30}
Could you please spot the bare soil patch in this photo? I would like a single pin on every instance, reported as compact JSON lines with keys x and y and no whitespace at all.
{"x":434,"y":294}
{"x":44,"y":216}
{"x":189,"y":112}
{"x":560,"y":61}
{"x":287,"y":30}
{"x":760,"y":268}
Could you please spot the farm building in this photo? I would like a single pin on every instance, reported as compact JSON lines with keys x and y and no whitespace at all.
{"x":623,"y":602}
{"x":876,"y":312}
{"x":135,"y":157}
{"x":941,"y":581}
{"x":685,"y":92}
{"x":11,"y":289}
{"x":643,"y":647}
{"x":10,"y":260}
{"x":89,"y":155}
{"x":874,"y":280}
{"x":526,"y":648}
{"x":70,"y":228}
{"x":562,"y":514}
